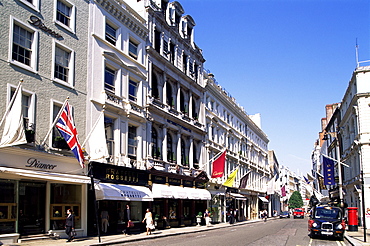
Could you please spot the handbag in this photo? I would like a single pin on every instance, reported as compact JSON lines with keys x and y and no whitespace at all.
{"x":130,"y":224}
{"x":151,"y":226}
{"x":73,"y":233}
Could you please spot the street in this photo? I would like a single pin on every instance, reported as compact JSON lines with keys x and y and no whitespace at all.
{"x":289,"y":232}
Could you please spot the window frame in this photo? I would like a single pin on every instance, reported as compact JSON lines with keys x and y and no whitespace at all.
{"x":34,"y":47}
{"x":133,"y":98}
{"x":113,"y":26}
{"x":72,"y":21}
{"x":109,"y":67}
{"x":35,"y":5}
{"x":71,"y":64}
{"x":133,"y":43}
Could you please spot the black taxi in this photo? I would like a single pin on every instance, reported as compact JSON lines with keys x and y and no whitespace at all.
{"x":326,"y":221}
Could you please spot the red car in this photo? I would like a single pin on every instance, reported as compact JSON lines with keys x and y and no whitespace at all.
{"x":298,"y":213}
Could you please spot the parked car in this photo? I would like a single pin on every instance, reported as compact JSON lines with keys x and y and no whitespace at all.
{"x":284,"y":214}
{"x":298,"y":213}
{"x":326,"y":221}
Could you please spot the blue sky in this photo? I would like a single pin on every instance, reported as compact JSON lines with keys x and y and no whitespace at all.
{"x":284,"y":59}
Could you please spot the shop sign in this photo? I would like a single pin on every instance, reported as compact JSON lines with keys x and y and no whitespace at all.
{"x":35,"y":21}
{"x":159,"y":179}
{"x":200,"y":185}
{"x":187,"y":183}
{"x":33,"y":162}
{"x":113,"y":174}
{"x":173,"y":181}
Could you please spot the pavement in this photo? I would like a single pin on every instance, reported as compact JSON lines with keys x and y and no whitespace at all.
{"x":355,"y":238}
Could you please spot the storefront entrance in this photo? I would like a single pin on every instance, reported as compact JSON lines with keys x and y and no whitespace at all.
{"x":31,"y":207}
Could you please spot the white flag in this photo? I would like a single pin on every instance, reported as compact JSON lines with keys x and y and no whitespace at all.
{"x":97,"y":143}
{"x":271,"y":186}
{"x":13,"y":133}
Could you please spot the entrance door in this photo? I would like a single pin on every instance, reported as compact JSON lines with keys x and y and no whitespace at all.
{"x":31,"y":208}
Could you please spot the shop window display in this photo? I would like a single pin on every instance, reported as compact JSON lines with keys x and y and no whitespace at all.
{"x":8,"y":207}
{"x":63,"y":197}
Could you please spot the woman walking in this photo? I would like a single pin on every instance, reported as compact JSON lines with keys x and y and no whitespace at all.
{"x":149,"y":222}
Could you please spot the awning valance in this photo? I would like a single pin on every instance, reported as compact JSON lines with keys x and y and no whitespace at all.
{"x":39,"y":175}
{"x":177,"y":192}
{"x":106,"y":191}
{"x":263,"y":199}
{"x":238,"y":196}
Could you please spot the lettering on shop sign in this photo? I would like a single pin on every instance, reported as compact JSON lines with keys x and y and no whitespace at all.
{"x":35,"y":21}
{"x":118,"y":175}
{"x":33,"y":162}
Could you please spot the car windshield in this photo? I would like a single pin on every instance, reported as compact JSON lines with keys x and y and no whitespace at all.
{"x":298,"y":210}
{"x":327,"y":213}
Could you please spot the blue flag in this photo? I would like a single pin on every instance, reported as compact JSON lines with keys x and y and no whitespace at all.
{"x":328,"y":166}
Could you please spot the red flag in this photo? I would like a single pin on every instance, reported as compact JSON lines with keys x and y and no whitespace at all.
{"x":68,"y":130}
{"x":218,"y":166}
{"x":283,"y":191}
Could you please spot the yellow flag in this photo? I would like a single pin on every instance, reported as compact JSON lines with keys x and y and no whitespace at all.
{"x":230,"y":180}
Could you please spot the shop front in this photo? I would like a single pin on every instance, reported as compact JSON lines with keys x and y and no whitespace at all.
{"x":178,"y":199}
{"x":37,"y":189}
{"x":116,"y":187}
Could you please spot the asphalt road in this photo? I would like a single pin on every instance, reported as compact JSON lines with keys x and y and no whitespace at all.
{"x":287,"y":232}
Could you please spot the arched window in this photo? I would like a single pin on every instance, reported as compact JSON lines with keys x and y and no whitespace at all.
{"x":184,"y":156}
{"x":170,"y":154}
{"x":170,"y":100}
{"x":182,"y":103}
{"x":156,"y":151}
{"x":155,"y":91}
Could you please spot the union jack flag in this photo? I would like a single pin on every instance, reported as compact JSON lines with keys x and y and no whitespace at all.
{"x":67,"y":129}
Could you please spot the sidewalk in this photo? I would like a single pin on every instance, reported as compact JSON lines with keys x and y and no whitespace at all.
{"x":356,"y":238}
{"x":121,"y":238}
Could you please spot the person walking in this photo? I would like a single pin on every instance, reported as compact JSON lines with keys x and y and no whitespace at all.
{"x":127,"y":217}
{"x":207,"y":217}
{"x":104,"y":220}
{"x":70,"y":225}
{"x":149,"y":222}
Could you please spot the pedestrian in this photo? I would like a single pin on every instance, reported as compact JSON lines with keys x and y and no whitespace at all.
{"x":149,"y":222}
{"x":207,"y":217}
{"x":231,"y":220}
{"x":264,"y":215}
{"x":127,"y":218}
{"x":70,"y":225}
{"x":104,"y":220}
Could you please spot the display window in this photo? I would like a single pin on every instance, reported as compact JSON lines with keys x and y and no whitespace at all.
{"x":62,"y":198}
{"x":8,"y":207}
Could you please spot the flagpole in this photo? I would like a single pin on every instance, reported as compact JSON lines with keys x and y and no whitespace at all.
{"x":344,"y":164}
{"x":216,"y":156}
{"x":93,"y":128}
{"x":11,"y":102}
{"x":55,"y":121}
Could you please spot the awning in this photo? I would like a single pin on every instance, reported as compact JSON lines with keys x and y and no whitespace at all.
{"x":162,"y":191}
{"x":106,"y":191}
{"x":39,"y":175}
{"x":238,"y":196}
{"x":263,"y":199}
{"x":178,"y":192}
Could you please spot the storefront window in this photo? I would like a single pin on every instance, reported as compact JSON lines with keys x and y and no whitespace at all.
{"x":187,"y":206}
{"x":172,"y":209}
{"x":7,"y":207}
{"x":63,"y":197}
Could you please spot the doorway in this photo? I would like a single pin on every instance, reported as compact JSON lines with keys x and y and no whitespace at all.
{"x":31,"y":208}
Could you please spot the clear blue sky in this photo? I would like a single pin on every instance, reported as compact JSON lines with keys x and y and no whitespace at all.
{"x":285,"y":59}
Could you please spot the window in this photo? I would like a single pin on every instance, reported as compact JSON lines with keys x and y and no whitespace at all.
{"x":184,"y":63}
{"x":110,"y":34}
{"x":156,"y":152}
{"x":62,"y":64}
{"x":132,"y":48}
{"x":132,"y":90}
{"x":155,"y":91}
{"x":109,"y":130}
{"x":109,"y":79}
{"x":58,"y":141}
{"x":172,"y":53}
{"x":170,"y":154}
{"x":22,"y":45}
{"x":157,"y":41}
{"x":65,"y":14}
{"x":170,"y":100}
{"x":132,"y":145}
{"x":184,"y":156}
{"x":33,"y":4}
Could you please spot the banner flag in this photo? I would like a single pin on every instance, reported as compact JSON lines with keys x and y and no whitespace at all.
{"x":230,"y":180}
{"x":67,"y":129}
{"x":283,"y":191}
{"x":243,"y":181}
{"x":14,"y":133}
{"x":218,"y":166}
{"x":328,"y":166}
{"x":97,"y":142}
{"x":271,"y":186}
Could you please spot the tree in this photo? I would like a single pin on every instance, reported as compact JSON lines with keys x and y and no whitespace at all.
{"x":295,"y":200}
